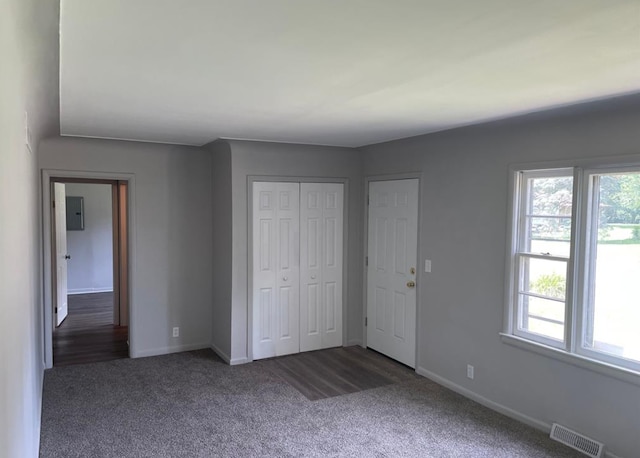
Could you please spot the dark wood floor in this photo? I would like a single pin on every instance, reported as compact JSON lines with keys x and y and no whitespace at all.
{"x":337,"y":371}
{"x":88,"y":335}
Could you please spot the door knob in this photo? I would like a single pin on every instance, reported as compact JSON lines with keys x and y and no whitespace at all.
{"x":67,"y":256}
{"x":313,"y":277}
{"x":284,"y":279}
{"x":411,"y":284}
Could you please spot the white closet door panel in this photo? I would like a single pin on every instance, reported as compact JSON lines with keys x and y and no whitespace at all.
{"x":311,"y":202}
{"x":264,"y":269}
{"x":321,"y":237}
{"x":276,"y":270}
{"x":333,"y":215}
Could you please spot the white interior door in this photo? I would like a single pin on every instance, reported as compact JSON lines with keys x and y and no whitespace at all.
{"x":276,"y":269}
{"x":321,"y":246}
{"x":60,"y":217}
{"x":392,"y":256}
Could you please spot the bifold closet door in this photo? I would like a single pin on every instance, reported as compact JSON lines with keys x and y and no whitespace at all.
{"x":276,"y":269}
{"x":321,"y":246}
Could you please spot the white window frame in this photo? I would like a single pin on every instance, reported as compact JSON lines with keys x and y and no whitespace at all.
{"x":584,"y":299}
{"x":572,"y":350}
{"x":519,"y":235}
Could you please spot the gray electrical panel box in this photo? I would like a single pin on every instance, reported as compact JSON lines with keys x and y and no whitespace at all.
{"x":75,"y":213}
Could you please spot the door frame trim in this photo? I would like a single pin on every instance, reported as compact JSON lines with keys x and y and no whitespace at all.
{"x":345,"y":244}
{"x":53,"y":175}
{"x":420,"y":277}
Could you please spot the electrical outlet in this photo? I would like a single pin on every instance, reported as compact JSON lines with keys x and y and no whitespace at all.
{"x":470,"y":371}
{"x":176,"y":332}
{"x":427,"y":265}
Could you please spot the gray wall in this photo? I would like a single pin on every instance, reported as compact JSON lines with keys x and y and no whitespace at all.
{"x":90,"y":268}
{"x":29,"y":54}
{"x":463,"y":231}
{"x":171,"y":244}
{"x":289,"y":160}
{"x":222,"y":248}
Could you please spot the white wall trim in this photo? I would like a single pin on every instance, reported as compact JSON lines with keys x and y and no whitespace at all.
{"x":540,"y":425}
{"x":47,"y":299}
{"x":134,"y":140}
{"x":354,"y":342}
{"x":237,"y":361}
{"x":610,"y":455}
{"x":107,"y":289}
{"x":167,"y":350}
{"x":600,"y":367}
{"x":500,"y":408}
{"x":226,"y":358}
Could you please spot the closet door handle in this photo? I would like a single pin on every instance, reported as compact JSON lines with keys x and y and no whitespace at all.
{"x":313,"y":277}
{"x":284,"y":279}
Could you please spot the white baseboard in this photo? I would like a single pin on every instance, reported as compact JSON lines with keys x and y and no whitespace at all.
{"x":71,"y":292}
{"x":352,"y":343}
{"x":237,"y":361}
{"x":227,"y":359}
{"x":511,"y":413}
{"x":221,"y":354}
{"x":542,"y":426}
{"x":168,"y":350}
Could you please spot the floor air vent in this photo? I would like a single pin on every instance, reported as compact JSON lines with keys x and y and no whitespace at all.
{"x":577,"y":441}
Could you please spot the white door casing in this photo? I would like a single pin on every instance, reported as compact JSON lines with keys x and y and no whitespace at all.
{"x":392,"y":254}
{"x":321,"y":251}
{"x":276,"y":269}
{"x":60,"y":228}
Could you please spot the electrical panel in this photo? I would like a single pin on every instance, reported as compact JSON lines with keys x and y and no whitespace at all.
{"x":75,"y":213}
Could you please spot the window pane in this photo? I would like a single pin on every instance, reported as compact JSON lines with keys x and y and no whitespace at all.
{"x":551,"y":196}
{"x":542,"y":316}
{"x":543,"y":277}
{"x":613,"y":311}
{"x":550,"y":228}
{"x":547,"y":215}
{"x":542,"y":292}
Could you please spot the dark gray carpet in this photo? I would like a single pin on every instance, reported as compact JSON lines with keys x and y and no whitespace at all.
{"x":193,"y":405}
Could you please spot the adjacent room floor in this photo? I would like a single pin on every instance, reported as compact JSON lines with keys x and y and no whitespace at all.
{"x":193,"y":405}
{"x":88,"y":334}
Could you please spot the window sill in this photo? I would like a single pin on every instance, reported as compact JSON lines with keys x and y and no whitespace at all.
{"x":620,"y":373}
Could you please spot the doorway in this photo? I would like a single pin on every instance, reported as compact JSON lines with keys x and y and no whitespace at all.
{"x":89,"y":244}
{"x":392,"y":249}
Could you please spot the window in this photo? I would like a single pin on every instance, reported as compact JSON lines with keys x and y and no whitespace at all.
{"x":574,"y":264}
{"x":542,"y":255}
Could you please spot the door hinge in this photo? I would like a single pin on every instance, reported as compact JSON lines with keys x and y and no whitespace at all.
{"x":366,"y":260}
{"x":55,"y":310}
{"x":368,"y":200}
{"x":53,"y":203}
{"x":366,"y":321}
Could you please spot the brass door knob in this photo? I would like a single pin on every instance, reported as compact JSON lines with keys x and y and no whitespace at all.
{"x":411,"y":284}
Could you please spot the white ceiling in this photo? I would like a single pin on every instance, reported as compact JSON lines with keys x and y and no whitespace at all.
{"x":350,"y":72}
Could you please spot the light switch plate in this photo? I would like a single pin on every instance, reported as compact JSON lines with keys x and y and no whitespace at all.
{"x":427,"y":265}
